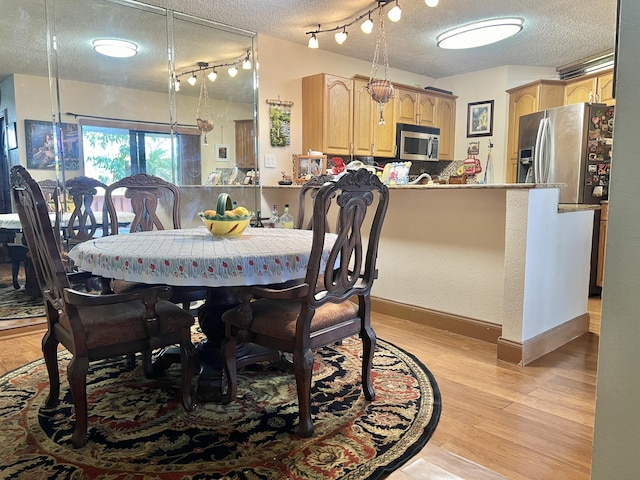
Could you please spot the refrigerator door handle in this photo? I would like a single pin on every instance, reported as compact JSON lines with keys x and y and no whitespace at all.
{"x":537,"y":151}
{"x":545,"y":158}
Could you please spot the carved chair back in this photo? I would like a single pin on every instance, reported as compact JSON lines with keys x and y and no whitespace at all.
{"x":306,"y":197}
{"x":82,"y":224}
{"x":144,"y":192}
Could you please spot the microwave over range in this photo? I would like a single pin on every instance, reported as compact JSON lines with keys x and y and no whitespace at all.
{"x":415,"y":142}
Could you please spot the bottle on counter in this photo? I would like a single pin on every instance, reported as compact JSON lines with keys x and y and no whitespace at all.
{"x":258,"y":220}
{"x":286,"y":221}
{"x":274,"y":219}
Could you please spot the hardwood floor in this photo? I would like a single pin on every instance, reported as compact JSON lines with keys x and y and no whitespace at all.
{"x":498,"y":420}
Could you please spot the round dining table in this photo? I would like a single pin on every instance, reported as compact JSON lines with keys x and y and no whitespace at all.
{"x":193,"y":257}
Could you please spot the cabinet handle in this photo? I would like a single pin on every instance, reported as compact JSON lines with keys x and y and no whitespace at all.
{"x":590,"y":97}
{"x":372,"y":149}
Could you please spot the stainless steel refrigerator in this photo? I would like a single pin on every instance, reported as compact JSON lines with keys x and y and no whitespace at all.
{"x":568,"y":145}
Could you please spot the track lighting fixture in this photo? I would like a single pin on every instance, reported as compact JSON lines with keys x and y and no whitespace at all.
{"x":367,"y":25}
{"x":313,"y":41}
{"x":341,"y":36}
{"x":246,"y":63}
{"x":395,"y":13}
{"x":211,"y":70}
{"x":341,"y":33}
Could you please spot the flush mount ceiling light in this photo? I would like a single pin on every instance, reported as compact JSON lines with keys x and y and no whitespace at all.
{"x":115,"y":48}
{"x":480,"y":33}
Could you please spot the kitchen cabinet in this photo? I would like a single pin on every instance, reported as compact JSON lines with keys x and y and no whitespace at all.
{"x":523,"y":100}
{"x":446,"y":121}
{"x":369,"y":137}
{"x":327,"y":114}
{"x":245,"y":144}
{"x":415,"y":108}
{"x":339,"y":117}
{"x":602,"y":242}
{"x":590,"y":88}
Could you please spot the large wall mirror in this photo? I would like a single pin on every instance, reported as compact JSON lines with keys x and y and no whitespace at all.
{"x":182,"y":108}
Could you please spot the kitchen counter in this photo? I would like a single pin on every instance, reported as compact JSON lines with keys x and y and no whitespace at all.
{"x":501,"y":262}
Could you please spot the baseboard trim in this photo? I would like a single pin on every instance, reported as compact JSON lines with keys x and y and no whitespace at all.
{"x":538,"y":346}
{"x":468,"y":327}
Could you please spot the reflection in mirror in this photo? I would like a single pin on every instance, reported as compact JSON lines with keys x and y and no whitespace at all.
{"x":109,"y":117}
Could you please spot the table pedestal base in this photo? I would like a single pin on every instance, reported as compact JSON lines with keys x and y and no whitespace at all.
{"x":211,"y":382}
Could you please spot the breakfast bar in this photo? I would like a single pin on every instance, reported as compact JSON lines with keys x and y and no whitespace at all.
{"x":501,"y":262}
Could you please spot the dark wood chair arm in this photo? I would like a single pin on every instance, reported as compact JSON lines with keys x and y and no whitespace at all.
{"x":148,"y":295}
{"x":296,"y":291}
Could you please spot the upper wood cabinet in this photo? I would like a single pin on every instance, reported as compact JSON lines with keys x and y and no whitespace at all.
{"x":529,"y":98}
{"x":596,"y":88}
{"x":327,"y":114}
{"x":340,"y":118}
{"x":446,"y":121}
{"x":415,"y":108}
{"x":245,"y":147}
{"x":430,"y":110}
{"x":369,"y":136}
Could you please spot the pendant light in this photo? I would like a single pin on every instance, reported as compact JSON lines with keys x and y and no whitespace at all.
{"x":381,"y":90}
{"x":204,"y":114}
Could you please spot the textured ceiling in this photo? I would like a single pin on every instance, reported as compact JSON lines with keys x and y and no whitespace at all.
{"x":556,"y":32}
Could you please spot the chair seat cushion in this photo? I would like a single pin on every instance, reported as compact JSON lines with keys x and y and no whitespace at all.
{"x":277,"y":318}
{"x":124,"y":322}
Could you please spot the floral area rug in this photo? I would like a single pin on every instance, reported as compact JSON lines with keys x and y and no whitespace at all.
{"x":137,"y":429}
{"x":16,"y":304}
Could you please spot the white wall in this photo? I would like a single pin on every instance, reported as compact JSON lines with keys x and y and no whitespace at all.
{"x":617,"y":425}
{"x":484,"y":85}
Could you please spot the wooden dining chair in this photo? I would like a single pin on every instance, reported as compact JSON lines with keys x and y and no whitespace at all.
{"x":93,"y":327}
{"x":306,"y":197}
{"x":310,"y":315}
{"x":150,"y":198}
{"x":155,"y":203}
{"x":83,"y":224}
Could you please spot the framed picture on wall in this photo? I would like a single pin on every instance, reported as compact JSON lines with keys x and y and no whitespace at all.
{"x":39,"y":144}
{"x":307,"y":166}
{"x":480,"y":119}
{"x":222,"y":152}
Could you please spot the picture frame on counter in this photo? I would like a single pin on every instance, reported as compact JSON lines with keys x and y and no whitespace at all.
{"x":480,"y":119}
{"x":307,"y":166}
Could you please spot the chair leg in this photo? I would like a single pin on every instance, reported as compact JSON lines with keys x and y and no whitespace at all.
{"x":369,"y":341}
{"x":77,"y":375}
{"x":50,"y":354}
{"x":15,"y":268}
{"x":230,"y":368}
{"x":147,"y":364}
{"x":188,"y":364}
{"x":303,"y":369}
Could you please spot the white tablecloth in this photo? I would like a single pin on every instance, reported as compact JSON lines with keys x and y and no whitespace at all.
{"x":194,"y":257}
{"x":11,"y":221}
